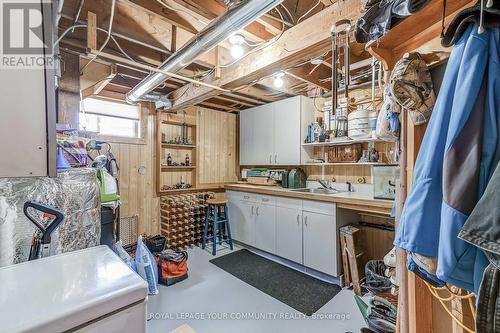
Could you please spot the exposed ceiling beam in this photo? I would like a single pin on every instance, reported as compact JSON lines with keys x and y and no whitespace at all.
{"x":305,"y":40}
{"x":305,"y":74}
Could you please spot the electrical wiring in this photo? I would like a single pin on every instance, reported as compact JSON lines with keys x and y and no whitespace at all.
{"x":181,"y":10}
{"x":288,"y":13}
{"x":309,"y":11}
{"x":111,"y":20}
{"x":100,"y":29}
{"x":260,"y":47}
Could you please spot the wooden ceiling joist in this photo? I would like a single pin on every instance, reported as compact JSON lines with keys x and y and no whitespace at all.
{"x":296,"y":45}
{"x":100,"y":85}
{"x":232,"y":100}
{"x":154,"y":8}
{"x":219,"y":107}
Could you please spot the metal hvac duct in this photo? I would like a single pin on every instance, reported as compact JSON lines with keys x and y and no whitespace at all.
{"x":237,"y":16}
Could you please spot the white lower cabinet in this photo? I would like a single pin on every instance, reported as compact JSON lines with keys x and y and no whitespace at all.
{"x":320,"y":242}
{"x":302,"y":231}
{"x":265,"y":227}
{"x":241,"y":219}
{"x":289,"y":233}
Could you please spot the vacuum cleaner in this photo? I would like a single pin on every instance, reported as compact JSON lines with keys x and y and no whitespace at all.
{"x":46,"y":219}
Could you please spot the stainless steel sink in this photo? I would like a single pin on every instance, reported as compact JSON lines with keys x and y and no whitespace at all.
{"x":316,"y":190}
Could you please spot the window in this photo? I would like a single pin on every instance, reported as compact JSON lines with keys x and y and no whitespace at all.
{"x":110,"y":118}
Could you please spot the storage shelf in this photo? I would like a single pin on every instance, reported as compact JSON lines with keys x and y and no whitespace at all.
{"x":341,"y":142}
{"x":178,"y":167}
{"x":178,"y":190}
{"x":211,"y":188}
{"x":177,"y":146}
{"x":419,"y":32}
{"x":345,"y":163}
{"x":168,"y":122}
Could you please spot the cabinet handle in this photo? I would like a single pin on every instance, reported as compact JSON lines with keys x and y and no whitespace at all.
{"x":257,"y":211}
{"x":270,"y":159}
{"x":246,"y":197}
{"x":298,"y":216}
{"x":276,"y":158}
{"x":265,"y":200}
{"x":305,"y":221}
{"x":252,"y":210}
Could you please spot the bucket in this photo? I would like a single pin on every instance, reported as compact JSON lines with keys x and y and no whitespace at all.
{"x":361,"y":123}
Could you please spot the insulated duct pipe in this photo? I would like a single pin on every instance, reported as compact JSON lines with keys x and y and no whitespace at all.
{"x":237,"y":16}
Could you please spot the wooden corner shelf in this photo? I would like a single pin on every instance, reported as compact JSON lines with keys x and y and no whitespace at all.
{"x":178,"y":190}
{"x":176,"y":123}
{"x":419,"y":32}
{"x":211,"y":188}
{"x":167,"y":129}
{"x":178,"y":167}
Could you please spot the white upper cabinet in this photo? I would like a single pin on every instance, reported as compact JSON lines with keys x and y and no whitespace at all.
{"x":287,"y":125}
{"x":263,"y":139}
{"x":271,"y":134}
{"x":246,"y":136}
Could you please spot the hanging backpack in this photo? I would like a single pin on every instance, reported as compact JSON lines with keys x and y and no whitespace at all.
{"x":172,"y":267}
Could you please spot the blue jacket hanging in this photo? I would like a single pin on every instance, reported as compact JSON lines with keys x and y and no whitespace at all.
{"x":456,"y":159}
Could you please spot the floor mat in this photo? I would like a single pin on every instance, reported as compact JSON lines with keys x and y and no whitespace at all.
{"x":300,"y":291}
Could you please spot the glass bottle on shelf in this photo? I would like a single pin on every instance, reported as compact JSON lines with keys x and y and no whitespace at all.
{"x":316,"y":130}
{"x":188,"y":162}
{"x":169,"y":159}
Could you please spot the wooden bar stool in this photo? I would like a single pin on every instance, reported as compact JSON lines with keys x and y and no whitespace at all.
{"x":219,"y":223}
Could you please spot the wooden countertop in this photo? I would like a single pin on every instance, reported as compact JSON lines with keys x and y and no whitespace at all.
{"x":347,"y":200}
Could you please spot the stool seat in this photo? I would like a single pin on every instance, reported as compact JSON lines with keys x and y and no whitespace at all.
{"x":217,"y":201}
{"x":221,"y":230}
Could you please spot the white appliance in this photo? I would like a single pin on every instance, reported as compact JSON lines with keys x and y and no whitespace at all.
{"x":89,"y":291}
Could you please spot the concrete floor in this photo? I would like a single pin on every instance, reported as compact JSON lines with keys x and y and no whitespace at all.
{"x":211,"y":301}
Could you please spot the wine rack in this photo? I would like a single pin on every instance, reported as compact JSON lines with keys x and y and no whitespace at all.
{"x":182,"y":219}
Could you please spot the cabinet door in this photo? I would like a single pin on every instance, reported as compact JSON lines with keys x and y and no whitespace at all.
{"x":287,"y":142}
{"x":320,"y":243}
{"x":263,"y":135}
{"x":246,"y":227}
{"x":236,"y":214}
{"x":246,"y":137}
{"x":289,"y":233}
{"x":265,"y":228}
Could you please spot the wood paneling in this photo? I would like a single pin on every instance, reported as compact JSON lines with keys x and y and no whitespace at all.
{"x":137,"y":179}
{"x":217,"y":147}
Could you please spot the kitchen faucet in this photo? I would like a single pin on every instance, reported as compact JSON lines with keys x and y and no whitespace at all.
{"x":325,"y":184}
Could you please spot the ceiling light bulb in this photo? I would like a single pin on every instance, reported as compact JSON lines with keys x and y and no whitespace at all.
{"x":236,"y":39}
{"x":278,"y":80}
{"x":237,"y":51}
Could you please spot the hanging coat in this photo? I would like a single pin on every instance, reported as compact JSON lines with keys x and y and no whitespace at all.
{"x":455,"y":161}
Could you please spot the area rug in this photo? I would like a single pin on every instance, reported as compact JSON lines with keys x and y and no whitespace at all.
{"x":300,"y":291}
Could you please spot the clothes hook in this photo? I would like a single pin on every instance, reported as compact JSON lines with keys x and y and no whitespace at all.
{"x":481,"y":17}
